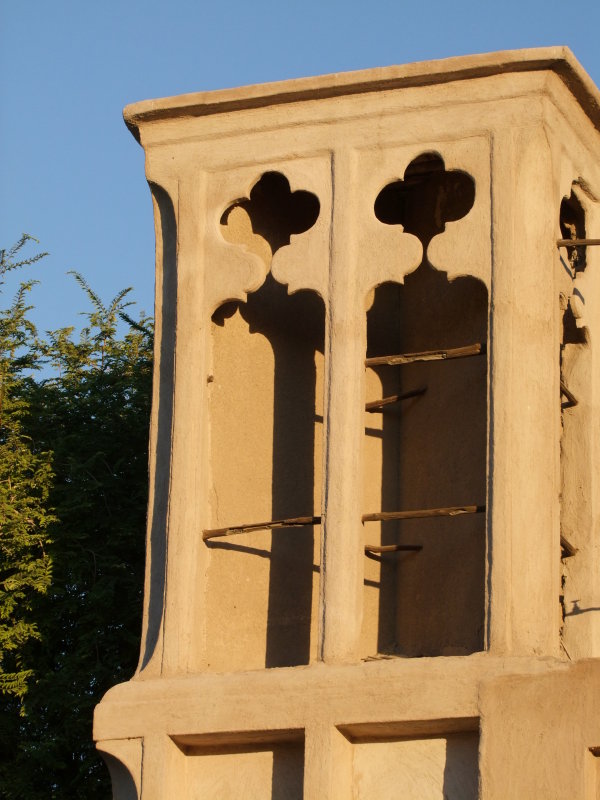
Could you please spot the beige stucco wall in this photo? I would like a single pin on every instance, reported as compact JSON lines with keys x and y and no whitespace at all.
{"x":302,"y":228}
{"x":554,"y":724}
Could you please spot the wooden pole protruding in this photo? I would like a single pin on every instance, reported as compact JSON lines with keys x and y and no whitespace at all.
{"x":232,"y":530}
{"x":577,"y":242}
{"x":571,"y":399}
{"x":377,"y":405}
{"x":378,"y":516}
{"x":392,"y":548}
{"x":427,"y":355}
{"x":452,"y":511}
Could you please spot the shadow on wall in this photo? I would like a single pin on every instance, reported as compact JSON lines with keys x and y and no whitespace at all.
{"x":157,"y":547}
{"x":288,"y":773}
{"x":433,"y":454}
{"x":294,"y":327}
{"x":123,"y":784}
{"x":461,"y":771}
{"x":433,"y":451}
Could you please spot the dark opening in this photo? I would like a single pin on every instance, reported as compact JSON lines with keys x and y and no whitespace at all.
{"x":433,"y":445}
{"x":426,"y":199}
{"x":571,"y":334}
{"x":277,"y":213}
{"x":572,"y":226}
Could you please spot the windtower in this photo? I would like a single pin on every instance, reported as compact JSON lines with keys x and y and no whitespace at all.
{"x":373,"y":549}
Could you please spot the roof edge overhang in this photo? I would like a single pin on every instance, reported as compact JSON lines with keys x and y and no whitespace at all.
{"x":338,"y":84}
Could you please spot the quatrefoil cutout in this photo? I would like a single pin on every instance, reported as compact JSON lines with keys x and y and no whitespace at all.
{"x":426,"y":199}
{"x":275,"y":212}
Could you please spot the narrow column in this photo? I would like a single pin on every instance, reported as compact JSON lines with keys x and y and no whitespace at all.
{"x":161,"y":427}
{"x":183,"y":631}
{"x":580,"y":456}
{"x":594,"y":434}
{"x":163,"y":773}
{"x":327,"y":763}
{"x":345,"y":346}
{"x":523,"y":553}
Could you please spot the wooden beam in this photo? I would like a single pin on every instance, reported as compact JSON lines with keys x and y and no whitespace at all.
{"x":453,"y":511}
{"x":392,"y":548}
{"x":427,"y":355}
{"x":377,"y":405}
{"x":292,"y":522}
{"x":577,"y":242}
{"x":567,"y":548}
{"x":299,"y":522}
{"x":572,"y":400}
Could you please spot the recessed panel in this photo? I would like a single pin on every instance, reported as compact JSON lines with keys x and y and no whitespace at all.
{"x":433,"y":768}
{"x":234,"y":773}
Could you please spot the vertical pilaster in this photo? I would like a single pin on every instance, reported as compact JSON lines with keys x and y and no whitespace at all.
{"x":161,"y":426}
{"x":581,"y":463}
{"x":593,"y":323}
{"x":327,"y":763}
{"x":341,"y":548}
{"x":164,"y":771}
{"x":184,"y":641}
{"x":524,"y":400}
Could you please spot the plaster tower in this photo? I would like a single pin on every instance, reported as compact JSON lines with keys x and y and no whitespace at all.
{"x":373,"y":534}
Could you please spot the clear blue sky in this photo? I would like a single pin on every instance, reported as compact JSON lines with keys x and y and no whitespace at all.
{"x":73,"y":176}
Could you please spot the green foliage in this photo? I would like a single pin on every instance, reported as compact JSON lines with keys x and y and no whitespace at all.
{"x":25,"y":481}
{"x":92,"y":417}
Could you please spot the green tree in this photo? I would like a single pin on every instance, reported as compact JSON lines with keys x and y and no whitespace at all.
{"x":25,"y":481}
{"x":92,"y":415}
